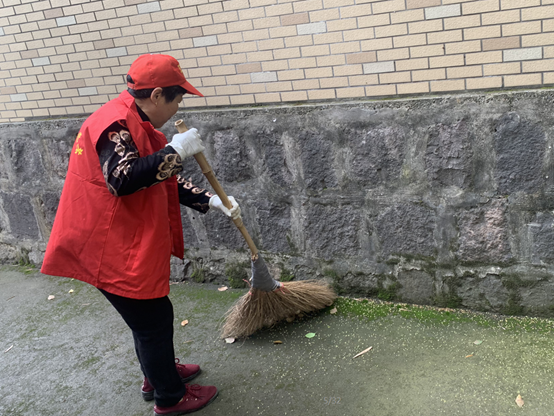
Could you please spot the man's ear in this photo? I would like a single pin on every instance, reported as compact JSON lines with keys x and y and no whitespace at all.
{"x":156,"y":95}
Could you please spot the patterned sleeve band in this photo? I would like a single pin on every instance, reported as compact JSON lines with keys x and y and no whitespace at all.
{"x":125,"y":172}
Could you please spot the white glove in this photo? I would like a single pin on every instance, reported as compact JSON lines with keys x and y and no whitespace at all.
{"x":234,"y":212}
{"x":187,"y":144}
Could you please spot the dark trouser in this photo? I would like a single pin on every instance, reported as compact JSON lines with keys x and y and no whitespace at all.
{"x":151,"y":321}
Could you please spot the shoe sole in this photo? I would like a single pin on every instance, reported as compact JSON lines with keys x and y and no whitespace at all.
{"x":190,"y":411}
{"x":148,"y":396}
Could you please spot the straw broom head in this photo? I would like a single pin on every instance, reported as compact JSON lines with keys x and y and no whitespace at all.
{"x":258,"y":309}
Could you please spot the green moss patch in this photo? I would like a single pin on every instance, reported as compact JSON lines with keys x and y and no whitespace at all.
{"x":368,"y":309}
{"x":237,"y":273}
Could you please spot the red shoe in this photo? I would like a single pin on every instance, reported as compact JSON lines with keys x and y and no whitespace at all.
{"x":194,"y":399}
{"x":186,"y":371}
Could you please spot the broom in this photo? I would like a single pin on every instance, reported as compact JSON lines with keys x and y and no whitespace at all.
{"x":268,"y":301}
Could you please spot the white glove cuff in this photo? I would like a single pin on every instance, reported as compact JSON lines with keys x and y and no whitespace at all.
{"x":211,"y":202}
{"x":178,"y":149}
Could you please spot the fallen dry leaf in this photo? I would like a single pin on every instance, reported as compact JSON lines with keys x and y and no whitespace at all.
{"x":222,"y":289}
{"x":277,"y":342}
{"x":333,"y":311}
{"x":519,"y":401}
{"x":363,"y":352}
{"x":184,"y":322}
{"x":229,"y":340}
{"x":51,"y":297}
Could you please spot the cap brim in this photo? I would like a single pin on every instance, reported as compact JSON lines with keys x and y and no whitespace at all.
{"x":190,"y":89}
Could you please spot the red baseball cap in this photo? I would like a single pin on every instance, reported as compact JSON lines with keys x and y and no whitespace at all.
{"x":155,"y":70}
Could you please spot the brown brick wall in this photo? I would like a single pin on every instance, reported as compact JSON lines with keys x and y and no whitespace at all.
{"x":65,"y":57}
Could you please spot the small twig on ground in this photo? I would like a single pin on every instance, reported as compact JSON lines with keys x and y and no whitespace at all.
{"x":363,"y":352}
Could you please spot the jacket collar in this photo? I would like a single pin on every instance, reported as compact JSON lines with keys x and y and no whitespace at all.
{"x":129,"y":101}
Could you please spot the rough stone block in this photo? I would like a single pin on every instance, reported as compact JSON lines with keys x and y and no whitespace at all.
{"x":275,"y":163}
{"x":21,"y":158}
{"x":483,"y":234}
{"x":282,"y":154}
{"x":541,"y":232}
{"x":231,"y":157}
{"x":49,"y":206}
{"x":407,"y":229}
{"x":519,"y":146}
{"x":20,"y":214}
{"x":275,"y":226}
{"x":58,"y":157}
{"x":364,"y":284}
{"x":8,"y":254}
{"x":223,"y":233}
{"x":57,"y":137}
{"x":332,"y":231}
{"x":538,"y":298}
{"x":415,"y":286}
{"x":449,"y":155}
{"x":317,"y":160}
{"x":485,"y":294}
{"x":179,"y":269}
{"x":190,"y":238}
{"x":376,"y":155}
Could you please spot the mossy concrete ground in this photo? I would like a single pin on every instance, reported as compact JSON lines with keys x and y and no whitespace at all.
{"x":73,"y":355}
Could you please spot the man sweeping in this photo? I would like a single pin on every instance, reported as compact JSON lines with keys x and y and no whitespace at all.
{"x":119,"y":222}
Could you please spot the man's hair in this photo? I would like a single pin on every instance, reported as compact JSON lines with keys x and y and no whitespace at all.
{"x":169,"y":93}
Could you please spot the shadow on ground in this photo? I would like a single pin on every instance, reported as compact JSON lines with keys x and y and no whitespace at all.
{"x":73,"y":355}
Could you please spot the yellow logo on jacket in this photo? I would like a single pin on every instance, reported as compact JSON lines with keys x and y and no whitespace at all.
{"x":78,"y":149}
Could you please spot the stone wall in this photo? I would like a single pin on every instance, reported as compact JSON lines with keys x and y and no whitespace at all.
{"x":440,"y":200}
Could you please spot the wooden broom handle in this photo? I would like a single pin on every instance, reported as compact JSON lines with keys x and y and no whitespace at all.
{"x":209,"y":174}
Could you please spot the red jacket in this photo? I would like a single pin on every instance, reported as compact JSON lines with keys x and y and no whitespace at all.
{"x":122,"y":245}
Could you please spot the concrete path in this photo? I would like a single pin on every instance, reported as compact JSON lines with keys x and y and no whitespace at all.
{"x":73,"y":355}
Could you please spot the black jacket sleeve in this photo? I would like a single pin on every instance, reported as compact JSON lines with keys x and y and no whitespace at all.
{"x":125,"y":172}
